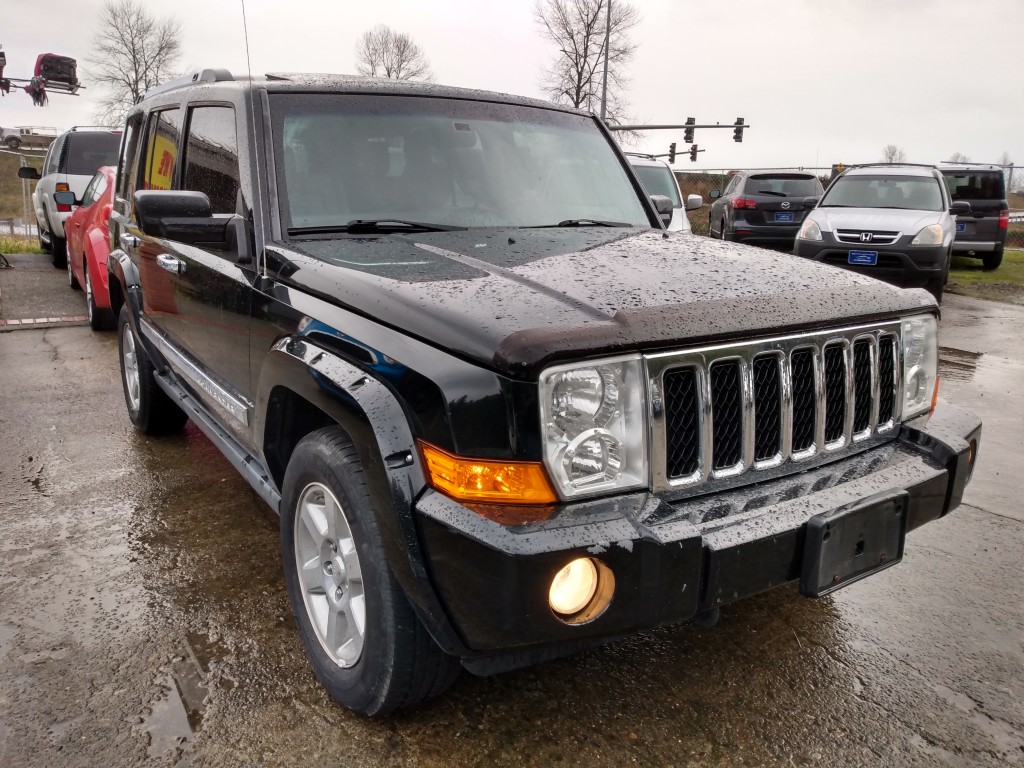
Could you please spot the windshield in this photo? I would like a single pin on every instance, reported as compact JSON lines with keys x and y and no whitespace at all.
{"x":446,"y":162}
{"x":657,"y":180}
{"x":789,"y":185}
{"x":913,"y":193}
{"x":87,"y":152}
{"x":978,"y":185}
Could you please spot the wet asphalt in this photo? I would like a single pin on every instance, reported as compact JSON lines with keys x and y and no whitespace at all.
{"x":144,"y":619}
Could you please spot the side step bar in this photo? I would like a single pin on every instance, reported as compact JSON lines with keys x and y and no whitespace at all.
{"x":233,"y":451}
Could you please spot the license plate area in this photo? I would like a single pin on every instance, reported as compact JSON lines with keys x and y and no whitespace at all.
{"x":865,"y":258}
{"x":961,"y":226}
{"x":848,"y":544}
{"x":781,"y":217}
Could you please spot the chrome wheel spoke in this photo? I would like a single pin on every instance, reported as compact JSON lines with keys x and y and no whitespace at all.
{"x":330,"y":574}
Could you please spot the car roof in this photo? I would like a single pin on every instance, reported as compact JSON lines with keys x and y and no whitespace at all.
{"x":313,"y":82}
{"x":924,"y":171}
{"x":646,"y":161}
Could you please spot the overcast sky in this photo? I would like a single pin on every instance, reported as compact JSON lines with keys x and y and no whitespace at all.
{"x":820,"y":81}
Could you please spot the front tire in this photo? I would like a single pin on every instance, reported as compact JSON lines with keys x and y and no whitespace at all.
{"x":149,"y":408}
{"x":13,"y":142}
{"x":363,"y":640}
{"x":72,"y":280}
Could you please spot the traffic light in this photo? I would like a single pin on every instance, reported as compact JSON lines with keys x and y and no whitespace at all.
{"x":693,"y":153}
{"x":737,"y":132}
{"x":672,"y":152}
{"x":688,"y":132}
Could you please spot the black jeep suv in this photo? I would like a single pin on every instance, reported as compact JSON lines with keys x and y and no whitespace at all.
{"x":502,"y":414}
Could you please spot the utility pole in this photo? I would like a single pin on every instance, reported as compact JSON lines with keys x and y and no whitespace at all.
{"x":604,"y":83}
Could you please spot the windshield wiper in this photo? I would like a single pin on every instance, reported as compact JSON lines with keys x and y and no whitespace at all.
{"x":582,"y":223}
{"x":358,"y":226}
{"x":770,"y":192}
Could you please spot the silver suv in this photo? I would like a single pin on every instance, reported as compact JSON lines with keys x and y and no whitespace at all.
{"x":893,"y":222}
{"x":658,"y":179}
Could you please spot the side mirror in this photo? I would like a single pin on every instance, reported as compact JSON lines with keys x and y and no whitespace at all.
{"x":960,"y":208}
{"x":693,"y":202}
{"x":714,"y":194}
{"x":810,"y":202}
{"x":663,"y":205}
{"x":185,"y":217}
{"x":25,"y":172}
{"x":66,"y":198}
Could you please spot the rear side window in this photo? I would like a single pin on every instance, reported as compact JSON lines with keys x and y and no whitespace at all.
{"x":88,"y":151}
{"x":979,"y":185}
{"x":53,"y":156}
{"x":211,"y":157}
{"x":128,"y":163}
{"x":161,"y":149}
{"x":782,"y":185}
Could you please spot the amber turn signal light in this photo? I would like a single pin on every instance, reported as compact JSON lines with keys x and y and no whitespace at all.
{"x":485,"y":480}
{"x":935,"y":396}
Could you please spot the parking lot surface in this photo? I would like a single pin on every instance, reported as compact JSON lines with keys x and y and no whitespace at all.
{"x":144,"y":620}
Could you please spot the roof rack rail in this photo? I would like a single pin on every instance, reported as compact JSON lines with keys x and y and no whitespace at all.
{"x":203,"y":76}
{"x":94,"y":128}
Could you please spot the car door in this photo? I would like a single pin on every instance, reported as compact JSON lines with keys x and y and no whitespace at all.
{"x":196,"y":298}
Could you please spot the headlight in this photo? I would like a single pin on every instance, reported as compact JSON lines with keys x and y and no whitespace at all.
{"x":920,"y":364}
{"x":810,"y":230}
{"x":593,"y":425}
{"x":930,"y":235}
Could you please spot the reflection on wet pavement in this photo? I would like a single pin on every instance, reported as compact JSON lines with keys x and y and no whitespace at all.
{"x":144,"y":621}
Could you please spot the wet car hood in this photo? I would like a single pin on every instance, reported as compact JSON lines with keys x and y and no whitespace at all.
{"x":886,"y":219}
{"x":517,"y":299}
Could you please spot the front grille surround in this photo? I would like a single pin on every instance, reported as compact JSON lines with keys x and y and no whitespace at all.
{"x":853,"y":236}
{"x":749,"y":358}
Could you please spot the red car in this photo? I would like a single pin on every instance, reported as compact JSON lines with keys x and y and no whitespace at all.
{"x":88,"y":245}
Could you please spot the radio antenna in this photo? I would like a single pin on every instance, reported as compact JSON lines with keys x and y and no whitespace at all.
{"x":257,"y":202}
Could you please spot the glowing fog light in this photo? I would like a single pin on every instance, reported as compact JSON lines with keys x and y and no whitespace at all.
{"x":573,"y":587}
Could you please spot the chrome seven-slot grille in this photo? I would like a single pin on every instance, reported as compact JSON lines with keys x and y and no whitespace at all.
{"x":771,"y":406}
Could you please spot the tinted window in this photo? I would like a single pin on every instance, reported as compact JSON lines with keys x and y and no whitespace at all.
{"x":444,"y":161}
{"x":52,"y":156}
{"x":783,"y":185}
{"x":657,"y":180}
{"x":161,"y":149}
{"x":211,"y":157}
{"x":88,"y":151}
{"x":906,"y":192}
{"x":128,"y":163}
{"x":976,"y":185}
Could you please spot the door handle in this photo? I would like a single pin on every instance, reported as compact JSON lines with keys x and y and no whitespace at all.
{"x":129,"y":241}
{"x":170,"y":263}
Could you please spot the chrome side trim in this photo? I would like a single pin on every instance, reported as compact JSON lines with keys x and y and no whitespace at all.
{"x":233,"y":405}
{"x":749,"y":469}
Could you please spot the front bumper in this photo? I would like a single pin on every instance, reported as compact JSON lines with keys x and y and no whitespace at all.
{"x":900,"y":263}
{"x":671,"y":561}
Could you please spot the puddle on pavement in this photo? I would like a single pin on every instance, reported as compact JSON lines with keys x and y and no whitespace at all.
{"x":177,"y":715}
{"x":958,"y":365}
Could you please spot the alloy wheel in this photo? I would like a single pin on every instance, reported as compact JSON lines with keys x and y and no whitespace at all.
{"x":330,"y":575}
{"x":130,"y":362}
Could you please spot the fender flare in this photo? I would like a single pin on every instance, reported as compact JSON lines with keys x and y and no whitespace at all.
{"x":372,"y":415}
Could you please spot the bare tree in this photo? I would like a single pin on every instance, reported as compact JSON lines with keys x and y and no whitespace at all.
{"x":893,"y":154}
{"x":383,"y":52}
{"x":959,"y":157}
{"x":1007,"y":162}
{"x":133,"y":51}
{"x":577,"y":28}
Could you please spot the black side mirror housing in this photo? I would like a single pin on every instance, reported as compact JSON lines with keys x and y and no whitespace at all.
{"x":185,"y":217}
{"x":66,"y":198}
{"x":714,"y":194}
{"x":960,"y":208}
{"x":810,"y":202}
{"x":663,"y":205}
{"x":25,"y":172}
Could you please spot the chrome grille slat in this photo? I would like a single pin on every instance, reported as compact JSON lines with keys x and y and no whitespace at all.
{"x":750,"y":410}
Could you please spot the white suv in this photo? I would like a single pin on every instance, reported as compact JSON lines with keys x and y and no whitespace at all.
{"x":658,"y":179}
{"x":69,"y":165}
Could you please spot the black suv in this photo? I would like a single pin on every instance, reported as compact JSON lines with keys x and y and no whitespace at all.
{"x":981,"y":233}
{"x":763,"y":206}
{"x":502,"y":414}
